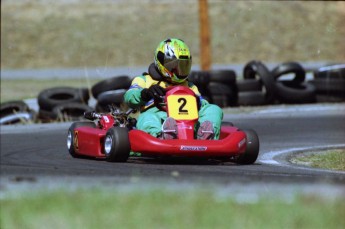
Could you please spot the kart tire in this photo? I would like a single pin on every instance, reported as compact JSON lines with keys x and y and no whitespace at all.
{"x":71,"y":142}
{"x":252,"y":149}
{"x":227,"y":77}
{"x":51,"y":97}
{"x":116,"y":144}
{"x":251,"y":98}
{"x":12,"y":107}
{"x":70,"y":111}
{"x":114,"y":83}
{"x":111,"y":97}
{"x":293,"y":93}
{"x":254,"y":68}
{"x":288,"y":68}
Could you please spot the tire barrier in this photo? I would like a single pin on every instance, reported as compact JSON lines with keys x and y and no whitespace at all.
{"x":50,"y":98}
{"x":286,"y":83}
{"x":257,"y":70}
{"x":329,"y":82}
{"x":15,"y":112}
{"x":294,"y":90}
{"x":70,"y":111}
{"x":113,"y":83}
{"x":202,"y":80}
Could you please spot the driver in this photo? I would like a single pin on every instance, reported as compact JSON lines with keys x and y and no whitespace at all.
{"x":171,"y":67}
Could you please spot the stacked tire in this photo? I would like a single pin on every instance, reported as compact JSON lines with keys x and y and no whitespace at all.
{"x":257,"y":86}
{"x":15,"y":112}
{"x":110,"y":92}
{"x":293,"y":89}
{"x":63,"y":104}
{"x":223,"y":88}
{"x":330,"y":83}
{"x":201,"y":79}
{"x":216,"y":86}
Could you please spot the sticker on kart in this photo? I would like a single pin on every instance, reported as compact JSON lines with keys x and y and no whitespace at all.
{"x":194,"y":148}
{"x":182,"y":107}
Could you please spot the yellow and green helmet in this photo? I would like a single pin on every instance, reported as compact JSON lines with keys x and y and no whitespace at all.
{"x":173,"y":60}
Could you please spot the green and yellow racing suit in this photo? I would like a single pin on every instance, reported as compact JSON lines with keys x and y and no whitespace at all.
{"x":151,"y":118}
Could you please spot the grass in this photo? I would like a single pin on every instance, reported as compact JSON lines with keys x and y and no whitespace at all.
{"x":166,"y":209}
{"x":44,"y":34}
{"x":330,"y":159}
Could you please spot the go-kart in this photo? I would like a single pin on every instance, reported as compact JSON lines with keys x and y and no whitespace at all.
{"x":113,"y":135}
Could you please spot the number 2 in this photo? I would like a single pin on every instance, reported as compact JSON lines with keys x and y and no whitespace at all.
{"x":184,"y":102}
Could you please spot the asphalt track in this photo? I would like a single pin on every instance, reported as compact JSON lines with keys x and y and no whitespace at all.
{"x":37,"y":154}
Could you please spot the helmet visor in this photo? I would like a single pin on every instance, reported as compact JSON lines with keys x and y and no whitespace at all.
{"x":181,"y":68}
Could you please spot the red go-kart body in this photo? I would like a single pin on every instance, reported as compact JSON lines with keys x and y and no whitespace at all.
{"x":113,"y":139}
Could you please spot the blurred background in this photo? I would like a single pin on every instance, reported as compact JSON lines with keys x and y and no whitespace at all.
{"x":39,"y":34}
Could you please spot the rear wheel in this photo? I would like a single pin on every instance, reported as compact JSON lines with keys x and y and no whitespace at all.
{"x":116,"y":144}
{"x":252,"y":149}
{"x":72,"y":142}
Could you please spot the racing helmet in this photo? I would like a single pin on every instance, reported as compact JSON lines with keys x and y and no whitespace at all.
{"x":173,"y":60}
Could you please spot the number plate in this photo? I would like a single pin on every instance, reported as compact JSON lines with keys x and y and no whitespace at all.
{"x":182,"y":107}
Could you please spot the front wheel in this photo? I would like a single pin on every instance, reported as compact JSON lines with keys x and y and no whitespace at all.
{"x":72,"y":141}
{"x":116,"y":144}
{"x":252,"y":149}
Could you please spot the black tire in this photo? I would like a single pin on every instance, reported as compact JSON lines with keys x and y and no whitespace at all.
{"x":52,"y":97}
{"x":249,"y":85}
{"x":329,"y":85}
{"x":254,"y":68}
{"x":293,"y":93}
{"x":329,"y":98}
{"x":114,"y":83}
{"x":116,"y":144}
{"x":70,"y":111}
{"x":252,"y":149}
{"x":329,"y":89}
{"x":251,"y":98}
{"x":12,"y":107}
{"x":223,"y":95}
{"x":227,"y":77}
{"x":45,"y":116}
{"x":22,"y":117}
{"x":336,"y":71}
{"x":111,"y":97}
{"x":201,"y":79}
{"x":71,"y":142}
{"x":290,"y":68}
{"x":102,"y":109}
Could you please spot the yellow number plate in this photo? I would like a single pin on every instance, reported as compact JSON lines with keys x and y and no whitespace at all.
{"x":182,"y":107}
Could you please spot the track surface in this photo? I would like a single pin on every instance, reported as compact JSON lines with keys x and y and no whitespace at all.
{"x":31,"y":152}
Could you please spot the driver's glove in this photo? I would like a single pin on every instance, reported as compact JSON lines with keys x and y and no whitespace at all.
{"x":154,"y":92}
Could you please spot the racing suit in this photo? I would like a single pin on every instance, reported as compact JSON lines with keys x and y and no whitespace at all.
{"x":151,"y":118}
